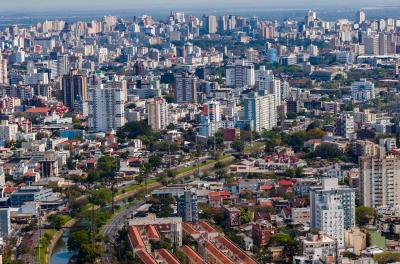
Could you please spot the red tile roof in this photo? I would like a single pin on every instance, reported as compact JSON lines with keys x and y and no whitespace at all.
{"x":207,"y":227}
{"x":187,"y":228}
{"x":167,"y":256}
{"x":38,"y":110}
{"x":145,"y":257}
{"x":152,"y":232}
{"x":135,"y":238}
{"x":217,"y":253}
{"x":236,"y":250}
{"x":192,"y":255}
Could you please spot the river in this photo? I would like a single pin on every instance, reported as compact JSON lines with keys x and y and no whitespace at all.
{"x":61,"y":254}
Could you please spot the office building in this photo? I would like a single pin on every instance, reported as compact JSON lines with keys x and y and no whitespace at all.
{"x":210,"y":24}
{"x":260,"y":111}
{"x":187,"y":207}
{"x":241,"y":74}
{"x":371,"y":45}
{"x":106,"y":107}
{"x":344,"y":194}
{"x":185,"y":86}
{"x":157,"y":113}
{"x":3,"y":71}
{"x":379,"y":181}
{"x":360,"y":17}
{"x":5,"y":223}
{"x":74,"y":86}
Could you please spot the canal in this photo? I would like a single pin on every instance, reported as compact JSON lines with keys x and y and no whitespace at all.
{"x":61,"y":254}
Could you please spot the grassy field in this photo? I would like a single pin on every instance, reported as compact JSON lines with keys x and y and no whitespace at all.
{"x":43,"y":244}
{"x":134,"y":187}
{"x":377,"y":239}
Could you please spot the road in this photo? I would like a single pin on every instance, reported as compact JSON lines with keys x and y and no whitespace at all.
{"x":111,"y":229}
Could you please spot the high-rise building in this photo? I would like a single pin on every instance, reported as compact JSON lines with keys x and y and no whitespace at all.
{"x":106,"y":107}
{"x":74,"y":85}
{"x":211,"y":119}
{"x":187,"y":207}
{"x":344,"y":194}
{"x":157,"y":113}
{"x":5,"y":223}
{"x":371,"y":45}
{"x":260,"y":111}
{"x":332,"y":209}
{"x":383,"y":44}
{"x":240,"y":74}
{"x":345,"y":126}
{"x":186,"y":88}
{"x":360,"y":17}
{"x":8,"y":132}
{"x":379,"y":181}
{"x":210,"y":24}
{"x":266,"y":81}
{"x":3,"y":71}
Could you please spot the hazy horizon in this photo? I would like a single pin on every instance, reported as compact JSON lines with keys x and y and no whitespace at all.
{"x":84,"y":5}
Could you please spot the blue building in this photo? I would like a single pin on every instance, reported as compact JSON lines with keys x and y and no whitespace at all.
{"x":71,"y":134}
{"x":5,"y":224}
{"x":273,"y":56}
{"x":187,"y":207}
{"x":30,"y":194}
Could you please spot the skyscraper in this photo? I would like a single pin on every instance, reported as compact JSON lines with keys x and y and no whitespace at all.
{"x":344,"y":194}
{"x":74,"y":85}
{"x":379,"y":181}
{"x":106,"y":107}
{"x":186,"y":88}
{"x":157,"y":113}
{"x":260,"y":111}
{"x":187,"y":207}
{"x":3,"y":71}
{"x":5,"y":224}
{"x":240,"y":74}
{"x":266,"y":81}
{"x":210,"y":24}
{"x":360,"y":17}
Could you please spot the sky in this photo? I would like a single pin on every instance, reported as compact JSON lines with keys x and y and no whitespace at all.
{"x":41,"y":5}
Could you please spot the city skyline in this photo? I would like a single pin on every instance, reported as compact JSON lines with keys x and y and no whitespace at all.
{"x":47,"y":5}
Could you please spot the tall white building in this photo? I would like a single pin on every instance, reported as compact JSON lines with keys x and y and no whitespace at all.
{"x":360,"y":17}
{"x":240,"y":74}
{"x":260,"y":111}
{"x":157,"y":113}
{"x":332,"y":209}
{"x":266,"y":81}
{"x":379,"y":179}
{"x":8,"y":131}
{"x":106,"y":107}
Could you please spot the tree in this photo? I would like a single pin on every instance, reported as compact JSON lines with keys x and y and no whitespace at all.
{"x":78,"y":238}
{"x":387,"y":257}
{"x":134,"y":129}
{"x":107,"y":165}
{"x":100,"y":197}
{"x":155,"y":161}
{"x":328,"y":151}
{"x":246,"y":216}
{"x":364,"y":215}
{"x":315,"y":133}
{"x":296,"y":140}
{"x":56,"y":221}
{"x":238,"y":145}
